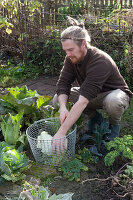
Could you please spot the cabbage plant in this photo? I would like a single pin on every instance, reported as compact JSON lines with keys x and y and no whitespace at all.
{"x":24,"y":100}
{"x":12,"y":163}
{"x":10,"y":126}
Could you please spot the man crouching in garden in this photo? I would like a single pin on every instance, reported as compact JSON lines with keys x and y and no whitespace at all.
{"x":101,"y":86}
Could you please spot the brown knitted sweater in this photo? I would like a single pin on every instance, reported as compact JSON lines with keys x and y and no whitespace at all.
{"x":96,"y":74}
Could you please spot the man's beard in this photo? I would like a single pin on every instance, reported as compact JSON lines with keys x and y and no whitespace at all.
{"x":75,"y":60}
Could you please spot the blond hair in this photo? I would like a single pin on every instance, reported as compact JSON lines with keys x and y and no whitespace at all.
{"x":77,"y":34}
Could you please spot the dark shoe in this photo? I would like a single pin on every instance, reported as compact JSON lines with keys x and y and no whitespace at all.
{"x":115,"y":132}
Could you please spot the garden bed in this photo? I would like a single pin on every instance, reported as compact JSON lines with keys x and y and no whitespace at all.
{"x":96,"y":183}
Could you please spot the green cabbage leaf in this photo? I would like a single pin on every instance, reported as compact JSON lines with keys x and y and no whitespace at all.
{"x":12,"y":163}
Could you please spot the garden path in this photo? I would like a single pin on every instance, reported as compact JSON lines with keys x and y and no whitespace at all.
{"x":43,"y":85}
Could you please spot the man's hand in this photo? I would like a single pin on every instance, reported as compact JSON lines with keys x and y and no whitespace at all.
{"x":63,"y":114}
{"x":59,"y":143}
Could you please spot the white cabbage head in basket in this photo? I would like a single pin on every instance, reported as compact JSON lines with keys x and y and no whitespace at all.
{"x":44,"y":142}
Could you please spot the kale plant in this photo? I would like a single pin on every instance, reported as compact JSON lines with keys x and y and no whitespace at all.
{"x":119,"y":147}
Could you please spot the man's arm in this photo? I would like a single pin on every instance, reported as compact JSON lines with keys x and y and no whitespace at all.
{"x":63,"y":110}
{"x":72,"y":117}
{"x":62,"y":98}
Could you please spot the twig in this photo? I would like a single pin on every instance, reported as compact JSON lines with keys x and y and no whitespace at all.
{"x":94,"y":179}
{"x":111,"y":177}
{"x":122,"y":168}
{"x":122,"y":196}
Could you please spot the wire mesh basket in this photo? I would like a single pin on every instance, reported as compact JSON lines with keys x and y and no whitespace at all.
{"x":42,"y":148}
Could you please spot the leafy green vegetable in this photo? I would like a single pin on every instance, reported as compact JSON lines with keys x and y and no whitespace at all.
{"x":99,"y":131}
{"x":42,"y":193}
{"x":10,"y":126}
{"x":12,"y":163}
{"x":129,"y":170}
{"x":71,"y":170}
{"x":5,"y":107}
{"x":86,"y":156}
{"x":21,"y":93}
{"x":28,"y":102}
{"x":50,"y":112}
{"x":119,"y":147}
{"x":110,"y":158}
{"x":22,"y":99}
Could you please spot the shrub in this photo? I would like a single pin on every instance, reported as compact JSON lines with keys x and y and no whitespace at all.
{"x":47,"y":54}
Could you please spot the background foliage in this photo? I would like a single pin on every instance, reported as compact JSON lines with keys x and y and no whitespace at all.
{"x":30,"y":33}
